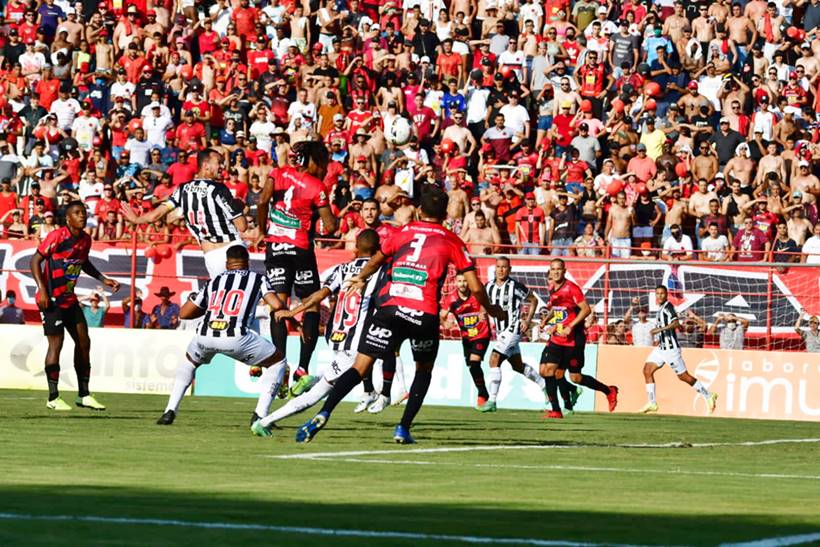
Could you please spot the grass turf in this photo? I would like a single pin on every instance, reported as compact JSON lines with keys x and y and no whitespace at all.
{"x":208,"y":468}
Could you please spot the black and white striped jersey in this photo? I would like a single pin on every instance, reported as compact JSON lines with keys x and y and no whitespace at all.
{"x":667,"y":339}
{"x":510,"y":295}
{"x":208,"y":209}
{"x":229,"y":301}
{"x":347,"y":319}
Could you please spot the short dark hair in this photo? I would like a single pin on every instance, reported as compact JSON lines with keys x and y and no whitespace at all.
{"x":368,"y":241}
{"x":237,"y":252}
{"x":662,"y":287}
{"x":204,"y":156}
{"x":374,"y":201}
{"x":434,"y":203}
{"x":74,"y":203}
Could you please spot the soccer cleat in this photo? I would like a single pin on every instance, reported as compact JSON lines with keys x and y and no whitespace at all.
{"x":57,"y":404}
{"x":309,"y":430}
{"x":89,"y":402}
{"x":481,"y":401}
{"x":379,"y":404}
{"x":554,"y":414}
{"x":285,"y":385}
{"x":489,"y":406}
{"x":260,"y":430}
{"x":569,"y":412}
{"x":255,"y":417}
{"x":303,"y":384}
{"x":403,"y":397}
{"x":711,"y":402}
{"x":402,"y":435}
{"x":612,"y":397}
{"x":648,"y":407}
{"x":167,"y":418}
{"x":366,"y":400}
{"x":573,"y":397}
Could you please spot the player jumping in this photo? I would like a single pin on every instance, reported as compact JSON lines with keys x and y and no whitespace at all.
{"x":668,"y":351}
{"x":55,"y":266}
{"x":421,"y":252}
{"x":475,"y":333}
{"x":289,"y":200}
{"x":509,"y":294}
{"x":565,"y":350}
{"x":347,"y":321}
{"x":227,"y":304}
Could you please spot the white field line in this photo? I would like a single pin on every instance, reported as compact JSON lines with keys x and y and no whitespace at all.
{"x":776,"y":542}
{"x":336,"y":532}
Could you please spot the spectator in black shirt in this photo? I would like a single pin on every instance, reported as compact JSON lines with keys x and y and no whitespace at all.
{"x":13,"y":49}
{"x":425,"y":41}
{"x":725,"y":140}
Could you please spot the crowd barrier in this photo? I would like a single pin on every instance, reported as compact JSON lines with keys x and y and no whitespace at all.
{"x":751,"y":384}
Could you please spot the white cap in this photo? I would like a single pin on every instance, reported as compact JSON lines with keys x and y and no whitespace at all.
{"x":602,"y":9}
{"x":337,"y":117}
{"x":155,"y":104}
{"x":803,"y":163}
{"x":424,"y":59}
{"x":792,"y":110}
{"x":70,"y":11}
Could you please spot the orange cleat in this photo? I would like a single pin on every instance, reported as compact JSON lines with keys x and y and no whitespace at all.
{"x":612,"y":397}
{"x":554,"y":414}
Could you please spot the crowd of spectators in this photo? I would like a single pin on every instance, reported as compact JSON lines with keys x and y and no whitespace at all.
{"x":674,"y":130}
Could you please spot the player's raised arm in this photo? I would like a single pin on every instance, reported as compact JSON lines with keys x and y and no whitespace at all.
{"x":312,"y":300}
{"x":372,"y":266}
{"x":92,"y":271}
{"x":263,"y":207}
{"x":477,"y":288}
{"x":191,"y":311}
{"x":148,"y":218}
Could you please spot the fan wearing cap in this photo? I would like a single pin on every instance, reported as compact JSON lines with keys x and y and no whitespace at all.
{"x":692,"y":102}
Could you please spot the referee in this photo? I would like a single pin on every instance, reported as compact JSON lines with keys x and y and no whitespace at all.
{"x":668,"y":351}
{"x":211,"y":213}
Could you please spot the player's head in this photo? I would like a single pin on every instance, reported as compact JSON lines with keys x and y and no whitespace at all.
{"x":660,"y":294}
{"x":237,"y":258}
{"x":502,"y":268}
{"x":370,"y":211}
{"x":367,"y":243}
{"x":209,"y":163}
{"x":557,"y":270}
{"x":76,"y":215}
{"x":311,"y":157}
{"x":434,"y":204}
{"x":461,"y":285}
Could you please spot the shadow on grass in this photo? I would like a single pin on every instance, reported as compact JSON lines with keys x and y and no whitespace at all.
{"x":432,"y":518}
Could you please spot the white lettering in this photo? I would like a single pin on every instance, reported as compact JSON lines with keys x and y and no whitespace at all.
{"x":802,"y":390}
{"x":766,"y":392}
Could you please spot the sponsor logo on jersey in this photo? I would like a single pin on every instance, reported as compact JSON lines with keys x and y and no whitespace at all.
{"x":406,"y":291}
{"x":284,"y":219}
{"x":218,"y":325}
{"x":559,"y":315}
{"x":410,"y":276}
{"x":338,"y":336}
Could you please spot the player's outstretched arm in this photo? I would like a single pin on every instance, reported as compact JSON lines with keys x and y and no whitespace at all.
{"x":357,"y":282}
{"x":148,"y":218}
{"x":309,"y":302}
{"x":92,"y":271}
{"x":263,"y":207}
{"x":477,"y":288}
{"x":190,"y":311}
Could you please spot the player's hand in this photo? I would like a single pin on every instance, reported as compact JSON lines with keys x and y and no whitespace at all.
{"x":496,"y":311}
{"x":525,"y":326}
{"x":355,"y":284}
{"x":112,"y":284}
{"x":281,"y":315}
{"x":128,"y":213}
{"x":563,"y":330}
{"x":42,"y":301}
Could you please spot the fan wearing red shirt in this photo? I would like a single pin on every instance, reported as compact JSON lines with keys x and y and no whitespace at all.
{"x":245,"y":19}
{"x":421,"y":254}
{"x":47,"y":88}
{"x":190,"y":135}
{"x":565,"y":350}
{"x":289,"y":200}
{"x":750,"y":244}
{"x":448,"y":63}
{"x":108,"y":204}
{"x":181,"y":171}
{"x":530,"y":229}
{"x":56,"y":266}
{"x":238,"y":189}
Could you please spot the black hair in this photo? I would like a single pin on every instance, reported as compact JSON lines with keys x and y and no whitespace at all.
{"x":368,"y":241}
{"x":434,"y":203}
{"x":311,"y":150}
{"x":204,"y":156}
{"x":237,"y":252}
{"x":374,"y":201}
{"x":74,"y":203}
{"x":662,"y":287}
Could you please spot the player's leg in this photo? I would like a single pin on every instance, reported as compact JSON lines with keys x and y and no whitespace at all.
{"x":195,"y":355}
{"x":306,"y":283}
{"x":524,"y":369}
{"x":398,"y":379}
{"x":425,"y":349}
{"x":575,"y":362}
{"x":55,"y":334}
{"x":369,"y":395}
{"x":550,"y":360}
{"x":256,"y":351}
{"x":493,"y":381}
{"x":649,"y":369}
{"x":280,"y":273}
{"x":677,"y":364}
{"x":474,"y":355}
{"x":78,"y":330}
{"x":569,"y":392}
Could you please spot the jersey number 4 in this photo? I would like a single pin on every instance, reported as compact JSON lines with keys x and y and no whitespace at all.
{"x":227,"y":305}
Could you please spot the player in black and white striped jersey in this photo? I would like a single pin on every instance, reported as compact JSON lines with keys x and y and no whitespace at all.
{"x":226,"y":305}
{"x":347,"y":321}
{"x":668,"y":351}
{"x":510,"y":295}
{"x":211,"y":213}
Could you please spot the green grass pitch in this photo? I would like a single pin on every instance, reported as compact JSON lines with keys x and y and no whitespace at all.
{"x":567,"y":481}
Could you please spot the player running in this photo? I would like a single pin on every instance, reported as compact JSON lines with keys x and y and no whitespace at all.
{"x":227,"y":304}
{"x":565,"y":349}
{"x":668,"y":351}
{"x":55,"y":266}
{"x":475,"y":333}
{"x":293,"y":195}
{"x":211,"y":213}
{"x":347,"y":320}
{"x":509,"y":294}
{"x":421,"y":253}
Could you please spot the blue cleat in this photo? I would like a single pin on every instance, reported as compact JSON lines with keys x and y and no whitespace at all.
{"x":306,"y":433}
{"x":402,"y":435}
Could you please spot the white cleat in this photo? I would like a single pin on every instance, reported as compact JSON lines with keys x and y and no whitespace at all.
{"x":366,"y":400}
{"x":648,"y":407}
{"x":379,"y":404}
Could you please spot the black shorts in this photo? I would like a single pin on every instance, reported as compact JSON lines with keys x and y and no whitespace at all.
{"x":56,"y":319}
{"x":566,"y":357}
{"x":475,"y":347}
{"x":290,"y":268}
{"x":386,"y":329}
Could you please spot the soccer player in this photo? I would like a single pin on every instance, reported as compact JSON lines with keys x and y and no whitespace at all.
{"x":421,"y":253}
{"x":227,"y":304}
{"x":508,"y":294}
{"x":475,"y":333}
{"x":292,"y":196}
{"x":347,"y":321}
{"x":55,"y":266}
{"x":211,"y":213}
{"x":668,"y":351}
{"x":565,"y":349}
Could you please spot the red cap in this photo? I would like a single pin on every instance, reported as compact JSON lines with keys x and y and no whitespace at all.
{"x":151,"y":12}
{"x":792,"y":75}
{"x":147,"y":68}
{"x":529,"y":195}
{"x":361,"y":158}
{"x":318,"y":47}
{"x":692,"y":85}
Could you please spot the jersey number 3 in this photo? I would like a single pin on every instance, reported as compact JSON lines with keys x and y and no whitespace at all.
{"x":417,"y":245}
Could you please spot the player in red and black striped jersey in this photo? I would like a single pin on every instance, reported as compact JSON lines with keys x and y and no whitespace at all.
{"x":421,"y":253}
{"x":475,"y":333}
{"x":56,"y":266}
{"x":565,"y":349}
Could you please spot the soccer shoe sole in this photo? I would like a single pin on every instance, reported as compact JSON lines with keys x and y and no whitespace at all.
{"x":304,"y":384}
{"x":712,"y":403}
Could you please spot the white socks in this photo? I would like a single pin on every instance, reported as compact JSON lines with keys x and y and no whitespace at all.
{"x":533,"y":376}
{"x":269,"y":382}
{"x":700,"y":388}
{"x":184,"y":377}
{"x":650,"y":394}
{"x":493,"y":382}
{"x":398,"y":378}
{"x":300,"y":403}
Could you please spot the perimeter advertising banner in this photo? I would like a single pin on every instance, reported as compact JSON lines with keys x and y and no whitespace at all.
{"x":750,"y":384}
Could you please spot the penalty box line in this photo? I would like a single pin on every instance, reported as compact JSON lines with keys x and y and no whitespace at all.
{"x":304,"y":530}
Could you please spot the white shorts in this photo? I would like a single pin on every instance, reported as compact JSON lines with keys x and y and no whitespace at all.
{"x":672,"y":356}
{"x":250,"y":349}
{"x":215,"y":259}
{"x":506,"y":343}
{"x":342,"y":362}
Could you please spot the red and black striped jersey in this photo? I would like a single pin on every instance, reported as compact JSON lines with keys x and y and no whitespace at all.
{"x":472,"y":322}
{"x":296,"y":197}
{"x":65,"y":256}
{"x":564,"y":302}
